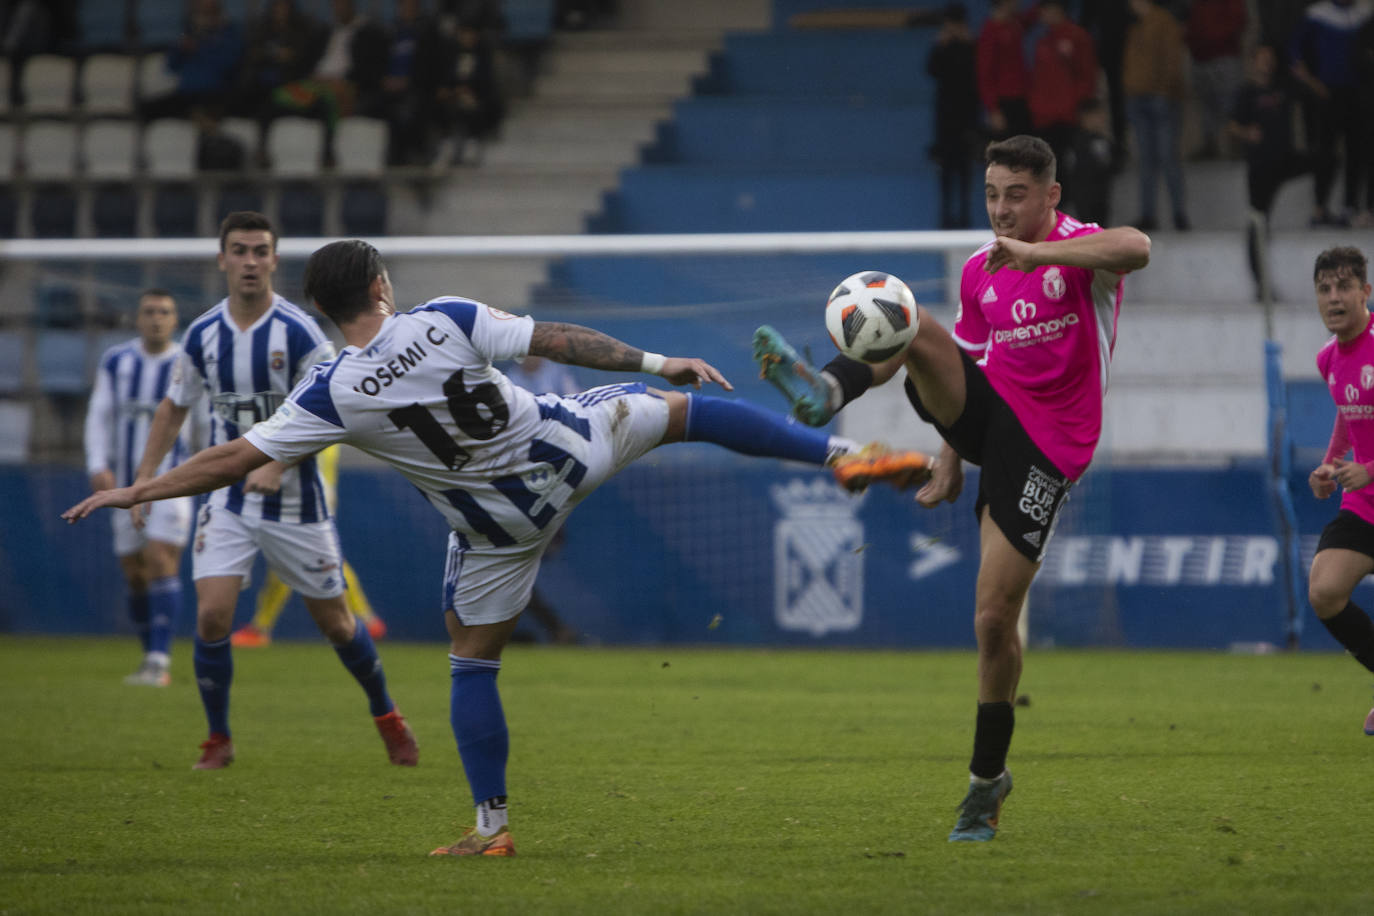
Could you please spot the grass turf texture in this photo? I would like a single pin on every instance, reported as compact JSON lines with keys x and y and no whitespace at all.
{"x":690,"y":781}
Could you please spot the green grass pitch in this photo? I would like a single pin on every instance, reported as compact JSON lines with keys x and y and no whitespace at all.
{"x":678,"y":780}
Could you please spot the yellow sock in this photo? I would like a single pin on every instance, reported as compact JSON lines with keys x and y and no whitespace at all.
{"x":355,"y":596}
{"x":272,"y":599}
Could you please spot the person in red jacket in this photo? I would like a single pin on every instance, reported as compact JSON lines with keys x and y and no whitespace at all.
{"x":1063,"y":75}
{"x":1002,"y":78}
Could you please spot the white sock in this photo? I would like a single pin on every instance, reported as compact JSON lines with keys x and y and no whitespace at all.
{"x":839,"y":446}
{"x":491,"y":816}
{"x":161,"y":659}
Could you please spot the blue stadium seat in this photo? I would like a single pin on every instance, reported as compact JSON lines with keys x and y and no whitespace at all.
{"x":9,"y":212}
{"x":300,"y":210}
{"x":102,"y":25}
{"x":52,"y":212}
{"x":58,"y":304}
{"x":114,"y":211}
{"x":160,"y":22}
{"x":528,"y":21}
{"x":234,"y":197}
{"x":175,"y":208}
{"x":364,"y":208}
{"x":13,"y":347}
{"x":867,"y":64}
{"x":61,"y":358}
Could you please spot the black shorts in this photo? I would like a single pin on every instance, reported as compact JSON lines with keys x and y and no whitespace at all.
{"x":1022,"y":489}
{"x":1347,"y":531}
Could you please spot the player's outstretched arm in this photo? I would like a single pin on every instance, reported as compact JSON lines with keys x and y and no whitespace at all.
{"x":1122,"y":249}
{"x":582,"y":346}
{"x":209,"y":470}
{"x":162,"y":435}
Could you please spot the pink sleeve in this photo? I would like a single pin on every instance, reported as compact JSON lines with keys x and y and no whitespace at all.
{"x":971,"y":329}
{"x":1340,"y":442}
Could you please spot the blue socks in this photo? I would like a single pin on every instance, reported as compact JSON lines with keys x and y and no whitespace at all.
{"x":742,"y":427}
{"x":479,"y":725}
{"x":359,"y":656}
{"x":214,"y":673}
{"x":138,"y":613}
{"x":163,"y":606}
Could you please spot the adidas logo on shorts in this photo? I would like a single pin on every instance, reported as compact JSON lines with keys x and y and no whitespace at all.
{"x":1033,"y":537}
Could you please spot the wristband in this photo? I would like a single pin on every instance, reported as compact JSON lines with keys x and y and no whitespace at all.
{"x":652,"y":363}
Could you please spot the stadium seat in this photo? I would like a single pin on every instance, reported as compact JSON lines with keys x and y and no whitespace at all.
{"x":16,"y":426}
{"x":360,"y":146}
{"x":176,"y":206}
{"x":109,"y":149}
{"x":114,"y":210}
{"x":9,"y":212}
{"x":52,"y":211}
{"x":528,"y":21}
{"x":169,"y":149}
{"x":295,"y":147}
{"x":300,"y":210}
{"x":154,"y":78}
{"x":107,"y":84}
{"x":102,"y":26}
{"x":58,"y":305}
{"x":9,"y":142}
{"x":363,"y":209}
{"x":48,"y":83}
{"x":160,"y":22}
{"x":237,"y":196}
{"x":61,"y":359}
{"x":13,"y":347}
{"x":50,"y":150}
{"x":246,"y":131}
{"x":6,"y":73}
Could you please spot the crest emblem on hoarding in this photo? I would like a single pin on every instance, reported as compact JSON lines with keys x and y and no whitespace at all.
{"x":818,"y":571}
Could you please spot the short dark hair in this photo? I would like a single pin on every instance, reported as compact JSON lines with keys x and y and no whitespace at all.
{"x":1341,"y":260}
{"x":1023,"y":153}
{"x":248,"y":221}
{"x":337,"y":278}
{"x":158,"y":292}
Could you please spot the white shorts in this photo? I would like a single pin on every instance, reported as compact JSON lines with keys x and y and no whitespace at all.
{"x":168,"y":521}
{"x":492,"y":584}
{"x":305,"y":555}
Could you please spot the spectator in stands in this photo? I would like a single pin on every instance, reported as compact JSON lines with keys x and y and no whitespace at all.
{"x":206,"y":60}
{"x":466,"y":104}
{"x":1215,"y":29}
{"x":1262,"y":120}
{"x":283,"y":45}
{"x":411,"y":61}
{"x":1107,"y":21}
{"x":1155,"y":80}
{"x":346,"y":76}
{"x":1091,"y":160}
{"x":1002,"y":79}
{"x":1063,"y":75}
{"x":1322,"y":56}
{"x":951,"y":64}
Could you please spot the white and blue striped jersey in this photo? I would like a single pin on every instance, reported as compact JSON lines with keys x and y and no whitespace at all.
{"x":423,"y":396}
{"x":129,"y":384}
{"x":245,"y":375}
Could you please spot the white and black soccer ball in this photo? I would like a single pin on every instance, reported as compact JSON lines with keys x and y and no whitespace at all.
{"x":871,"y":316}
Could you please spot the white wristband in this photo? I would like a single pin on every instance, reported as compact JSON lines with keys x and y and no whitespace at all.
{"x":652,"y":363}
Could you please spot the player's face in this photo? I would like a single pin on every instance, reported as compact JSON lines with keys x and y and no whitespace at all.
{"x":248,"y":261}
{"x":1018,"y":204}
{"x":1343,"y":302}
{"x":156,"y":321}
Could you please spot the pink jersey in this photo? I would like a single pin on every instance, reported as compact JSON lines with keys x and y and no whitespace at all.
{"x":1349,"y":372}
{"x":1045,"y":341}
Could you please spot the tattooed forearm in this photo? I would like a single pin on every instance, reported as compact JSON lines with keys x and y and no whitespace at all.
{"x":579,"y":346}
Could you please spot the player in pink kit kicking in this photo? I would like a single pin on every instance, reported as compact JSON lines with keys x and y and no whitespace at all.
{"x":1345,"y":553}
{"x":1016,"y":388}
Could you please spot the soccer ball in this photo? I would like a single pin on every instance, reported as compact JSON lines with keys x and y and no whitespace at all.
{"x":871,"y":316}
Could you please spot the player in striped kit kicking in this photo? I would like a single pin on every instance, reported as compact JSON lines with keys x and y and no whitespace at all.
{"x":1345,"y":553}
{"x":1018,"y":389}
{"x":132,"y":379}
{"x":245,"y":355}
{"x":504,"y":466}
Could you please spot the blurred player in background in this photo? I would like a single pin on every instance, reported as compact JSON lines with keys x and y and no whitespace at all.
{"x":245,"y":355}
{"x":1345,"y":553}
{"x":274,"y":594}
{"x":132,"y":379}
{"x":544,"y":376}
{"x":1018,"y":389}
{"x":504,"y":467}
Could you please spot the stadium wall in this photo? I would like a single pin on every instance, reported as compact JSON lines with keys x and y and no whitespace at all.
{"x":697,"y":546}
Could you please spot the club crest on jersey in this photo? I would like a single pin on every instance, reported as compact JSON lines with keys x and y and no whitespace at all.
{"x":498,"y":313}
{"x":1367,"y":377}
{"x":278,"y":360}
{"x":1054,"y":285}
{"x":1352,"y":394}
